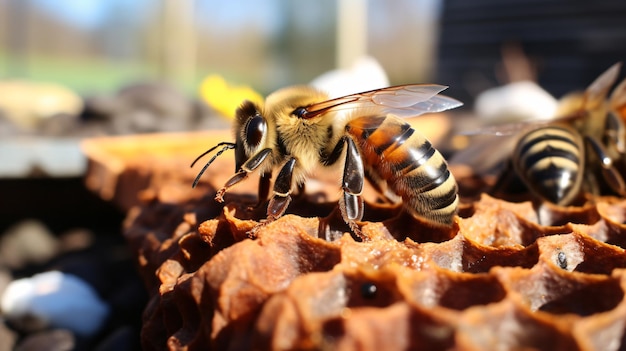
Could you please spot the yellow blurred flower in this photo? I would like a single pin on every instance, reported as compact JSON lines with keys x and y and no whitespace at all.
{"x":225,"y":98}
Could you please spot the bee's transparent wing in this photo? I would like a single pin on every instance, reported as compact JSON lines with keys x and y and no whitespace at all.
{"x":489,"y":146}
{"x":618,"y":100}
{"x":616,"y":121}
{"x":597,"y":91}
{"x":402,"y":100}
{"x":413,"y":100}
{"x":485,"y":153}
{"x":502,"y":129}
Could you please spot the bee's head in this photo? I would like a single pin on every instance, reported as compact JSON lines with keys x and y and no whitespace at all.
{"x":250,"y":132}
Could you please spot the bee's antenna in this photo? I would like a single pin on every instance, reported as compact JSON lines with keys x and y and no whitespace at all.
{"x":231,"y":146}
{"x":227,"y":146}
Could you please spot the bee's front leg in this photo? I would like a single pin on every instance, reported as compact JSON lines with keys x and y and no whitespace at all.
{"x":249,"y":166}
{"x":282,"y":189}
{"x":238,"y":177}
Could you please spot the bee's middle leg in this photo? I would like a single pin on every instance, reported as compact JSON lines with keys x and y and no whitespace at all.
{"x":281,"y":199}
{"x":265,"y":181}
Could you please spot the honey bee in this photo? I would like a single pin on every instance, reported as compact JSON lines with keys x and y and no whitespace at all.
{"x":575,"y":151}
{"x":550,"y":161}
{"x":299,"y":130}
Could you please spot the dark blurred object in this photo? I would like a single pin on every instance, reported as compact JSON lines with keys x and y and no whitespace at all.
{"x":64,"y":124}
{"x":40,"y":136}
{"x":7,"y":338}
{"x":148,"y":108}
{"x":27,"y":242}
{"x":86,"y":236}
{"x":559,"y":36}
{"x":51,"y":340}
{"x":47,"y":109}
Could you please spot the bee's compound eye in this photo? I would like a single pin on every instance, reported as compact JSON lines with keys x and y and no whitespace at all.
{"x":300,"y":112}
{"x":255,"y":129}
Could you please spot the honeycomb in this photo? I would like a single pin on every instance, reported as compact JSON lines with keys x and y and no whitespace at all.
{"x":497,"y":281}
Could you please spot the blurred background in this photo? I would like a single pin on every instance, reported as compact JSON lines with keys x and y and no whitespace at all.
{"x":72,"y":69}
{"x":96,"y":46}
{"x":85,"y":68}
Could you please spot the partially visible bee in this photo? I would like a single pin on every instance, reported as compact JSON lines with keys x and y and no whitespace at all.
{"x":615,"y":134}
{"x":550,"y":161}
{"x":299,"y":130}
{"x":575,"y":151}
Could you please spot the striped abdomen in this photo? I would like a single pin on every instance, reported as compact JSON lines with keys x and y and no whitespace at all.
{"x":412,"y":168}
{"x":550,"y":161}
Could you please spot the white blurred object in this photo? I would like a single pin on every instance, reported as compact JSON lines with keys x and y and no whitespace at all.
{"x":54,"y":157}
{"x":365,"y":74}
{"x":517,"y":101}
{"x":27,"y":103}
{"x":54,"y":300}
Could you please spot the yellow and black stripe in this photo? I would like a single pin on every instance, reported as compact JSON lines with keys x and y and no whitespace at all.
{"x":410,"y":165}
{"x":550,"y":161}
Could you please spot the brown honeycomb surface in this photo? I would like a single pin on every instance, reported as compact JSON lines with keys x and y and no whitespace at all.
{"x":498,"y":281}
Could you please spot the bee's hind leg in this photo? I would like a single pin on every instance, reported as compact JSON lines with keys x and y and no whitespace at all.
{"x":351,"y":203}
{"x":351,"y":207}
